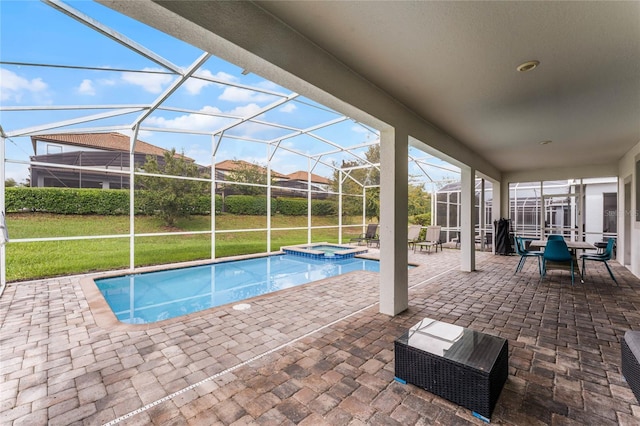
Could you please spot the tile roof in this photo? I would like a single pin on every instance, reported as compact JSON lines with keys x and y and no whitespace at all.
{"x":112,"y":141}
{"x":233,"y":165}
{"x":302,"y":176}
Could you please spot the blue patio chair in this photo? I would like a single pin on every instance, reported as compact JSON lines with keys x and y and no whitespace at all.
{"x":608,"y":253}
{"x":556,"y":251}
{"x":556,"y":237}
{"x":524,"y":254}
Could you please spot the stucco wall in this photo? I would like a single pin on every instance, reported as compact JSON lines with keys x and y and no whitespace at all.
{"x":629,"y":210}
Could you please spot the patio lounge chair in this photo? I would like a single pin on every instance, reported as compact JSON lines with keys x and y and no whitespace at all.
{"x":413,"y":234}
{"x":371,"y":235}
{"x":431,"y":239}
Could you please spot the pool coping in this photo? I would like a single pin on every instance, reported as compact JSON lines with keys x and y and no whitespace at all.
{"x":303,"y":250}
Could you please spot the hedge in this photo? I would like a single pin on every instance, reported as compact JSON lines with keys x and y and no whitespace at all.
{"x":248,"y":205}
{"x":86,"y":201}
{"x":116,"y":202}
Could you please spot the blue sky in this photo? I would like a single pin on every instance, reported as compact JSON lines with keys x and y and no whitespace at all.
{"x":35,"y":33}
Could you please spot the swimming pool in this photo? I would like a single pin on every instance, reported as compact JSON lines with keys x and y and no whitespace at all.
{"x":156,"y":296}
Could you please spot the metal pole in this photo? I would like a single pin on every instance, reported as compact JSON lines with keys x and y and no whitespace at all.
{"x":308,"y":200}
{"x":3,"y":249}
{"x":132,"y":211}
{"x":213,"y":196}
{"x":340,"y":208}
{"x":268,"y":199}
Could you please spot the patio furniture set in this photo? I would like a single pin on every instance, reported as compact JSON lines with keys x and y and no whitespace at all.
{"x":558,"y":252}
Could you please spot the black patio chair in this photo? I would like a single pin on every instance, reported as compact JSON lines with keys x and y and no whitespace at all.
{"x":371,"y":235}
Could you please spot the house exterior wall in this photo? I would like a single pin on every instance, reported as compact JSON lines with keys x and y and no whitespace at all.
{"x":629,"y":211}
{"x":593,"y":207}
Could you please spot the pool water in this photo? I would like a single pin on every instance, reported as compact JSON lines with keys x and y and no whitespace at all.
{"x":327,"y":248}
{"x":156,"y":296}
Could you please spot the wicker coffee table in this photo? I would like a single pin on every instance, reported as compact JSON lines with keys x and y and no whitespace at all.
{"x":464,"y":366}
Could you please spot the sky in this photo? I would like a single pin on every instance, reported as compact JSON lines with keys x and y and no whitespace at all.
{"x":91,"y":71}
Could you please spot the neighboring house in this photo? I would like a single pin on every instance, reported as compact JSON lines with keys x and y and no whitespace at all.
{"x":108,"y":151}
{"x":300,"y":180}
{"x":224,"y":168}
{"x":291,"y":185}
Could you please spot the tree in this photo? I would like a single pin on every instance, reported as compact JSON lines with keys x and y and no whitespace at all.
{"x":247,"y":173}
{"x":367,"y":176}
{"x":170,"y":198}
{"x":419,"y":200}
{"x":10,"y":183}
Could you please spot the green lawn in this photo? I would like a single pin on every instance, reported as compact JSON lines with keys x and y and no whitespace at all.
{"x":48,"y":259}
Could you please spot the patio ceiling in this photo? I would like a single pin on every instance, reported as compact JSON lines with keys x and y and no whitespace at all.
{"x":454,"y":64}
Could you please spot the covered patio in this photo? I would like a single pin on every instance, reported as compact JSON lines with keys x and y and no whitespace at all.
{"x":333,"y":363}
{"x":323,"y":353}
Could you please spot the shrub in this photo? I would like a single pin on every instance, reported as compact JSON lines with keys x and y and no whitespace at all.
{"x":422,"y":219}
{"x":248,"y":205}
{"x":292,"y":206}
{"x":67,"y":200}
{"x":324,"y":208}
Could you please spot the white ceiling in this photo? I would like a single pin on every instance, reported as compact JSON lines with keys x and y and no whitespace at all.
{"x":454,"y":63}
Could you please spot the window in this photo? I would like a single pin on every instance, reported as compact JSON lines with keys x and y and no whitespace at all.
{"x":610,"y":212}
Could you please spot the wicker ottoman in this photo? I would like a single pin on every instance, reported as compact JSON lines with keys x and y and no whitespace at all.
{"x":464,"y":366}
{"x":631,"y":361}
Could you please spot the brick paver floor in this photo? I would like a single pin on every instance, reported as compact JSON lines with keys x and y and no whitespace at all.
{"x":321,"y":353}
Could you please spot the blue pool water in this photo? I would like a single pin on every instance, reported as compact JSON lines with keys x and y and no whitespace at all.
{"x":156,"y":296}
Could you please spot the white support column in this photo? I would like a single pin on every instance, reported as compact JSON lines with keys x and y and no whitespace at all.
{"x":481,"y":211}
{"x":394,"y":291}
{"x":309,"y":200}
{"x":340,"y":207}
{"x":268,"y":199}
{"x":467,"y":231}
{"x":132,"y":200}
{"x":3,"y":239}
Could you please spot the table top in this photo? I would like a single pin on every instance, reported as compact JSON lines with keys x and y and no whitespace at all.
{"x":572,"y":245}
{"x":468,"y":347}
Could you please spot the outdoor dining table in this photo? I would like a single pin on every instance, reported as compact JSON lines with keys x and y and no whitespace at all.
{"x":571,"y":245}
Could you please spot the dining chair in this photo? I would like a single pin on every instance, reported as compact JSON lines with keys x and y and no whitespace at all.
{"x":524,"y":254}
{"x":556,"y":251}
{"x":556,"y":237}
{"x":607,"y":255}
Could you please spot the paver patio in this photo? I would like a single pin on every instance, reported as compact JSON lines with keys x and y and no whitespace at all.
{"x":321,"y":353}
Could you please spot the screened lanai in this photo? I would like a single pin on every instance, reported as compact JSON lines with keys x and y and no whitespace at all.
{"x":88,"y":108}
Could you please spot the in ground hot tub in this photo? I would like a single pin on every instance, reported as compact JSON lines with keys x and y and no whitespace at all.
{"x":324,"y":250}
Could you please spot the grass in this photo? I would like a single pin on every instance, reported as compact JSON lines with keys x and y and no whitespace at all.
{"x":54,"y":258}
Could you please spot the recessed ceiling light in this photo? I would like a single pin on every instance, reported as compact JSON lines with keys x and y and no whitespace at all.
{"x":528,"y":66}
{"x":545,"y":142}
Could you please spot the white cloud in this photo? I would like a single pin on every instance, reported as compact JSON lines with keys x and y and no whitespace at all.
{"x":195,"y":85}
{"x":13,"y":86}
{"x":86,"y":88}
{"x":153,"y":83}
{"x":236,"y":94}
{"x":106,"y":82}
{"x":288,"y":107}
{"x":190,"y":121}
{"x":246,"y":110}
